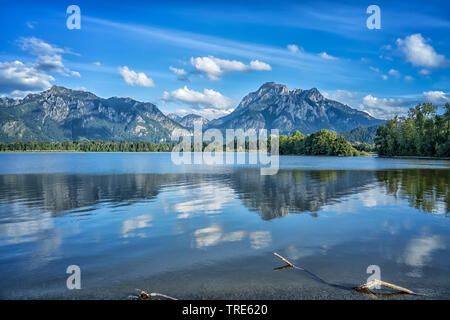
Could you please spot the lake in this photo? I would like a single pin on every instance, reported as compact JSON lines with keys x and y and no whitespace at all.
{"x":136,"y":221}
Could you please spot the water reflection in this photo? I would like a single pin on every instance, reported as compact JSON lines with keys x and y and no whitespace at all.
{"x":427,"y":190}
{"x":290,"y":191}
{"x":187,"y":228}
{"x":296,"y":191}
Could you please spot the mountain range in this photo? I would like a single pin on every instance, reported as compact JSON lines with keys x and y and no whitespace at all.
{"x":61,"y":114}
{"x":274,"y":106}
{"x":188,"y":120}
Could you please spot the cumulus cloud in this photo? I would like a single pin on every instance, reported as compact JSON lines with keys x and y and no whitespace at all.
{"x":436,"y":97}
{"x":50,"y":63}
{"x":383,"y":108}
{"x":409,"y":78}
{"x":181,"y":73}
{"x":394,"y":73}
{"x":419,"y":53}
{"x":294,"y":48}
{"x":17,"y":77}
{"x":178,"y":72}
{"x":342,"y":96}
{"x":39,"y":47}
{"x":135,"y":78}
{"x":326,"y":56}
{"x":384,"y":77}
{"x":208,"y":113}
{"x":49,"y":57}
{"x":215,"y":67}
{"x":207,"y":98}
{"x":259,"y":66}
{"x":209,"y":103}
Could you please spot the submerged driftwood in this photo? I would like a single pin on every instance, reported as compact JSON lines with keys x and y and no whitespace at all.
{"x":364,"y":289}
{"x":153,"y":296}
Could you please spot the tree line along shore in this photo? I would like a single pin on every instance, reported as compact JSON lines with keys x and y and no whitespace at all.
{"x":323,"y":142}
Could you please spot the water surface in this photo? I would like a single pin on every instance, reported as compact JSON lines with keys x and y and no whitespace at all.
{"x":135,"y":220}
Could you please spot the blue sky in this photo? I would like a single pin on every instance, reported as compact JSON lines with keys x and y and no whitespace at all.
{"x":204,"y":57}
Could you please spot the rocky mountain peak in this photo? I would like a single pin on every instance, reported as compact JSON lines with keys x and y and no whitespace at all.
{"x":313,"y":95}
{"x":275,"y":106}
{"x":272,"y":88}
{"x":55,"y":90}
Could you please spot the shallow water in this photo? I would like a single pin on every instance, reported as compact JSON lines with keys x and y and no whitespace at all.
{"x":135,"y":220}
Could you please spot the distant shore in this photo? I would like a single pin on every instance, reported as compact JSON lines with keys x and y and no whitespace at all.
{"x":415,"y":157}
{"x":76,"y":151}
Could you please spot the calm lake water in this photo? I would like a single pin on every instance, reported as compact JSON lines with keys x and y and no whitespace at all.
{"x":137,"y":221}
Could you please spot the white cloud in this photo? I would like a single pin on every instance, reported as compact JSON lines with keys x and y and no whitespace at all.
{"x":437,"y":97}
{"x":207,"y":98}
{"x":424,"y":72}
{"x":383,"y":108}
{"x":419,"y":53}
{"x":49,"y":57}
{"x":374,"y":69}
{"x":394,"y":73}
{"x":384,"y":77}
{"x":215,"y":67}
{"x":39,"y":47}
{"x":409,"y":78}
{"x":326,"y":56}
{"x":98,"y":63}
{"x":181,"y":73}
{"x":259,"y":66}
{"x":135,"y":78}
{"x":75,"y":74}
{"x":293,"y":48}
{"x":30,"y":24}
{"x":342,"y":96}
{"x":22,"y":77}
{"x":50,"y":64}
{"x":208,"y":113}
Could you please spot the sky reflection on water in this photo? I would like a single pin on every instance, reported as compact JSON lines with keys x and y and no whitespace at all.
{"x":210,"y":233}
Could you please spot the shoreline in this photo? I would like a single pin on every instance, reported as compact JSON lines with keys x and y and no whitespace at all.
{"x":414,"y":157}
{"x":309,"y":155}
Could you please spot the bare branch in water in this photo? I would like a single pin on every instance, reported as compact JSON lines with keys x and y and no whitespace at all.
{"x":363,"y":289}
{"x":149,"y":296}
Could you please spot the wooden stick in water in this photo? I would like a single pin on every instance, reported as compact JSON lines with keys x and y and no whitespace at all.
{"x":365,"y":288}
{"x":285,"y":260}
{"x":148,"y":296}
{"x":376,"y":282}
